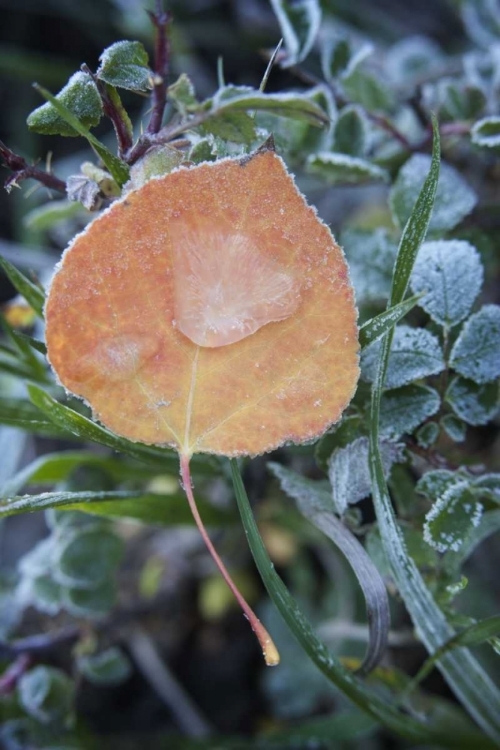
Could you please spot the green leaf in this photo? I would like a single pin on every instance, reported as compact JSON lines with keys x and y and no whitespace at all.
{"x":435,"y":483}
{"x":475,"y":353}
{"x":95,"y":602}
{"x":335,"y":57}
{"x":117,"y":168}
{"x":351,"y":132}
{"x":49,"y":214}
{"x":464,"y":674}
{"x":109,"y":667}
{"x":32,"y":293}
{"x":125,"y":65}
{"x":299,"y":21}
{"x":367,"y":89}
{"x":375,"y":328}
{"x":87,"y":558}
{"x":237,"y":127}
{"x":182,"y":95}
{"x":355,"y":689}
{"x":454,"y":427}
{"x":349,"y":472}
{"x":427,"y":434}
{"x":21,"y":413}
{"x":371,"y":257}
{"x":80,"y":98}
{"x":372,"y":585}
{"x":348,"y":430}
{"x":448,"y":522}
{"x":486,"y":132}
{"x":341,"y":168}
{"x":416,"y":354}
{"x":450,"y":273}
{"x":46,"y":694}
{"x":295,"y":106}
{"x":475,"y":404}
{"x":402,"y":410}
{"x":146,"y":507}
{"x":454,"y":198}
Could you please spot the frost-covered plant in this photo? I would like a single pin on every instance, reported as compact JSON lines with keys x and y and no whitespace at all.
{"x":429,"y":385}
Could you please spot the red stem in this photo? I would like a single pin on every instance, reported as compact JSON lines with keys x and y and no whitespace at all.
{"x":269,"y":650}
{"x":161,"y":20}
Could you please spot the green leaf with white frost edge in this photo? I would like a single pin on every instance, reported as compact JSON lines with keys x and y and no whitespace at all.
{"x":80,"y":97}
{"x":454,"y":198}
{"x":125,"y":65}
{"x":371,"y":257}
{"x":341,"y":168}
{"x":475,"y":354}
{"x":402,"y":410}
{"x":415,"y":354}
{"x":299,"y":22}
{"x":451,"y":517}
{"x":450,"y":273}
{"x":475,"y":404}
{"x":486,"y":132}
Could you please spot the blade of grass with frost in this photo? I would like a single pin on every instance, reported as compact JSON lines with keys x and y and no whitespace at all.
{"x":374,"y":328}
{"x":32,"y":293}
{"x":353,"y":687}
{"x":465,"y":676}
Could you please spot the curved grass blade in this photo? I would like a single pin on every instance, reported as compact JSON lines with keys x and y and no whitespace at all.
{"x":465,"y":676}
{"x":353,"y":687}
{"x":374,"y":328}
{"x":32,"y":293}
{"x":117,"y":168}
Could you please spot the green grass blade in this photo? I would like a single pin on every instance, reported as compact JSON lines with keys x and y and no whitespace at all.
{"x":352,"y":686}
{"x":117,"y":168}
{"x":465,"y":676}
{"x":32,"y":293}
{"x":374,"y":328}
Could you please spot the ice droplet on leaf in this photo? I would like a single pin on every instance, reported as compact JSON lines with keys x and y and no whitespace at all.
{"x":226,"y":289}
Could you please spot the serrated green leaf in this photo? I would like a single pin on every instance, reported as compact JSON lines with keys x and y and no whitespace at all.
{"x":341,"y":168}
{"x":486,"y":132}
{"x":475,"y":404}
{"x":475,"y":352}
{"x":454,"y":198}
{"x":125,"y":65}
{"x":117,"y":168}
{"x":32,"y":293}
{"x":449,"y":275}
{"x":416,"y":354}
{"x":237,"y":127}
{"x":182,"y":94}
{"x":435,"y":483}
{"x":80,"y":98}
{"x":299,"y":21}
{"x":448,"y":522}
{"x":402,"y":410}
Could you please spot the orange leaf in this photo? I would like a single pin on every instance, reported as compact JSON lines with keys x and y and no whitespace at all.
{"x":209,"y":310}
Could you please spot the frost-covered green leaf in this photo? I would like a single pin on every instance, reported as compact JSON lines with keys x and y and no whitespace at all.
{"x":451,"y":517}
{"x":475,"y":354}
{"x":434,"y":483}
{"x":457,"y":99}
{"x":427,"y":434}
{"x":46,"y":216}
{"x":238,"y":127}
{"x":88,"y":558}
{"x":367,"y":89}
{"x":299,"y":21}
{"x":342,"y":168}
{"x":450,"y":273}
{"x":481,"y":22}
{"x":454,"y":427}
{"x":349,"y":472}
{"x":182,"y":95}
{"x":402,"y":410}
{"x":486,"y":132}
{"x":80,"y":96}
{"x":300,"y":488}
{"x":415,"y":354}
{"x":94,"y":602}
{"x":454,"y":198}
{"x":293,"y":105}
{"x":351,"y":132}
{"x":339,"y":436}
{"x":158,"y":160}
{"x":125,"y":65}
{"x":46,"y":694}
{"x":412,"y":58}
{"x":109,"y":667}
{"x":371,"y":257}
{"x":335,"y":56}
{"x":475,"y":404}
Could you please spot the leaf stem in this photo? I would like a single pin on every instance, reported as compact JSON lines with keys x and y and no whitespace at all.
{"x":24,"y":171}
{"x":161,"y":20}
{"x":269,"y":650}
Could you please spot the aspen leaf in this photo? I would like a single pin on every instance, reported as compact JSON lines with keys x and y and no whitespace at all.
{"x":210,"y":310}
